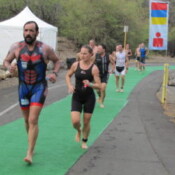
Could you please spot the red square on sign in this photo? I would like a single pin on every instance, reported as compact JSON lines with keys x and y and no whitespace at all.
{"x":158,"y":6}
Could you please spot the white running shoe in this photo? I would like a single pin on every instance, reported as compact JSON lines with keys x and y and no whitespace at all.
{"x":102,"y":105}
{"x":117,"y":90}
{"x":121,"y":90}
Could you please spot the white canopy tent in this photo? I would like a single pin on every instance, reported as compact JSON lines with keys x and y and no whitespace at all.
{"x":11,"y":31}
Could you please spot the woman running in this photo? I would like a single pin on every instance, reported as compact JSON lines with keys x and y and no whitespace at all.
{"x":83,"y":98}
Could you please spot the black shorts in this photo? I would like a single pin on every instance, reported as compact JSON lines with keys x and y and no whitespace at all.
{"x":104,"y":78}
{"x":85,"y":102}
{"x":138,"y":58}
{"x":142,"y":60}
{"x":119,"y":69}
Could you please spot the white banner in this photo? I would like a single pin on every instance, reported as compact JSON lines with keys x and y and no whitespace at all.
{"x":158,"y":28}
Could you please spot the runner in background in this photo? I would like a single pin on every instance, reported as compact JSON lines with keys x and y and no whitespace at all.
{"x":143,"y":53}
{"x":137,"y":59}
{"x":93,"y":45}
{"x":129,"y":55}
{"x":120,"y":57}
{"x":102,"y":60}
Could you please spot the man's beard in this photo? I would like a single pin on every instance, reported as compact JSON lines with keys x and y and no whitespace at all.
{"x":29,"y":40}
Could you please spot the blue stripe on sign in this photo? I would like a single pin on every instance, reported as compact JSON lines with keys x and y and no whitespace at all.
{"x":159,"y":13}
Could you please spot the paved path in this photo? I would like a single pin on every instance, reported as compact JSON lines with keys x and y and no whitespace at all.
{"x":140,"y":141}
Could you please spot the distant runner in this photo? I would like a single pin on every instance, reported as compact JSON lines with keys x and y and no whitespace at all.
{"x":129,"y":55}
{"x":93,"y":45}
{"x":137,"y":59}
{"x":121,"y":59}
{"x":102,"y":60}
{"x":143,"y":54}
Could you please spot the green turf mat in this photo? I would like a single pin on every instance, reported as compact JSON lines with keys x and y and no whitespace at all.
{"x":56,"y":150}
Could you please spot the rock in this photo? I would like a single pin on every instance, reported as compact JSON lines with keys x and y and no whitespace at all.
{"x":171,"y":79}
{"x":3,"y":75}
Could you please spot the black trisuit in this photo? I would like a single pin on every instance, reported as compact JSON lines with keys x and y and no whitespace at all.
{"x":83,"y":97}
{"x":103,"y":66}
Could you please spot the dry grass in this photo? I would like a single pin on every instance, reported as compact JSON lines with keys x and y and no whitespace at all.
{"x":169,"y":106}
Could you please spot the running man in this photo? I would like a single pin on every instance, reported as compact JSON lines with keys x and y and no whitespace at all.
{"x":128,"y":51}
{"x":143,"y":54}
{"x":83,"y":97}
{"x":137,"y":54}
{"x":129,"y":54}
{"x":102,"y":60}
{"x":121,"y":59}
{"x":32,"y":57}
{"x":93,"y":46}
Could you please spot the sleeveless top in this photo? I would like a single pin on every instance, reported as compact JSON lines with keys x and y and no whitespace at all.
{"x":120,"y":59}
{"x":80,"y":75}
{"x":102,"y":63}
{"x":31,"y":65}
{"x":142,"y":52}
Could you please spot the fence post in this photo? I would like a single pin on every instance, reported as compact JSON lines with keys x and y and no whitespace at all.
{"x":165,"y":83}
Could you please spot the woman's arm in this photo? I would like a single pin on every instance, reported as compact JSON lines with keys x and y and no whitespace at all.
{"x":97,"y":82}
{"x":69,"y":74}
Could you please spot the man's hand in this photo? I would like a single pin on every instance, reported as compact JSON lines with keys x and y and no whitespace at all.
{"x":52,"y":77}
{"x":12,"y":68}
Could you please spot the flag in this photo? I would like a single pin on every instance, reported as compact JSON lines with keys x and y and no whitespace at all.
{"x":158,"y":28}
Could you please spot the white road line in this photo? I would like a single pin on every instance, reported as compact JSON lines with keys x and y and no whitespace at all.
{"x":57,"y":86}
{"x":16,"y":104}
{"x":8,"y":109}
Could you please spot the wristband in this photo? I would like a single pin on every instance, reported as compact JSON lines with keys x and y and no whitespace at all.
{"x":55,"y":73}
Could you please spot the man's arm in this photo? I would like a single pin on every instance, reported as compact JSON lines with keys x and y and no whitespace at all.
{"x":10,"y":57}
{"x":51,"y":56}
{"x":54,"y":58}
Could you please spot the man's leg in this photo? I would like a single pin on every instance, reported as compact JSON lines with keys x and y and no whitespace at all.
{"x":144,"y":64}
{"x":75,"y":116}
{"x":26,"y":118}
{"x":117,"y":83}
{"x":86,"y":129}
{"x":99,"y":94}
{"x":34,"y":112}
{"x":122,"y":83}
{"x":103,"y":94}
{"x":140,"y":65}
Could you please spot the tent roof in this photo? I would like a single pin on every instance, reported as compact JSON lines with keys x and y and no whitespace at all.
{"x":25,"y":15}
